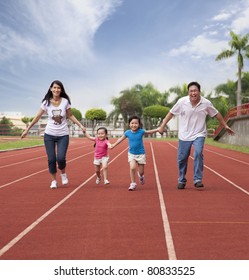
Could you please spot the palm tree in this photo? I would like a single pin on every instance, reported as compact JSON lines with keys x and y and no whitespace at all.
{"x":239,"y":45}
{"x":179,"y":92}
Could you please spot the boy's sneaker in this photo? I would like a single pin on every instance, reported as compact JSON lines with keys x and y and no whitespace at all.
{"x":132,"y":187}
{"x":98,"y":180}
{"x":53,"y":184}
{"x":106,"y":182}
{"x":64,"y":179}
{"x":141,"y":179}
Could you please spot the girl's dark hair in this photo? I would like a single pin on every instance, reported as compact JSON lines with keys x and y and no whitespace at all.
{"x":105,"y":132}
{"x":49,"y":94}
{"x":135,"y":118}
{"x":103,"y":129}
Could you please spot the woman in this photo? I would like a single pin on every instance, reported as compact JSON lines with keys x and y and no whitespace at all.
{"x":57,"y":105}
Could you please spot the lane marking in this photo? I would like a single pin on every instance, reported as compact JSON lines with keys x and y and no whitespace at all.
{"x":219,"y":175}
{"x":166,"y":226}
{"x":225,"y":156}
{"x":46,"y":214}
{"x":21,"y":162}
{"x":209,"y":222}
{"x":33,"y":174}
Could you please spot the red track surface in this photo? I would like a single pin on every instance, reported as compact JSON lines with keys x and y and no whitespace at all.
{"x":86,"y":221}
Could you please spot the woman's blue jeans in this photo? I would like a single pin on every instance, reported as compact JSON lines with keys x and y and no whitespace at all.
{"x":184,"y":148}
{"x":56,"y":155}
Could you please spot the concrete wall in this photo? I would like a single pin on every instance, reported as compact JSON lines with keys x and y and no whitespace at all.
{"x":240,"y":126}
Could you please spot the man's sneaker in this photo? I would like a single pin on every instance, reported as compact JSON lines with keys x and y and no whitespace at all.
{"x":181,"y":186}
{"x":98,"y":180}
{"x":106,"y":182}
{"x":199,"y":185}
{"x":53,"y":184}
{"x":132,"y":187}
{"x":141,"y":179}
{"x":64,"y":179}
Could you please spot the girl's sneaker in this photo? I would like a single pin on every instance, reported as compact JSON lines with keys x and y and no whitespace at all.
{"x":132,"y":187}
{"x":64,"y":179}
{"x":106,"y":182}
{"x":141,"y":179}
{"x":98,"y":180}
{"x":53,"y":184}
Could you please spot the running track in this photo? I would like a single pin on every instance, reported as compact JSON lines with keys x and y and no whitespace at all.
{"x":85,"y":221}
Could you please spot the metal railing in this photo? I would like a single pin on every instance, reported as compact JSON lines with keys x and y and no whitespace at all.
{"x":238,"y":111}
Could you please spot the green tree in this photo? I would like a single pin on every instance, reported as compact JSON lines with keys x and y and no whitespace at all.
{"x":238,"y":45}
{"x":149,"y":95}
{"x":179,"y":92}
{"x":153,"y":115}
{"x":245,"y":87}
{"x":77,"y":114}
{"x":95,"y":115}
{"x":26,"y":120}
{"x":129,"y":103}
{"x":5,"y":126}
{"x":228,"y":89}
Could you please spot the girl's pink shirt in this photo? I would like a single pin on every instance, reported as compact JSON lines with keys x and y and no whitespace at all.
{"x":101,"y":148}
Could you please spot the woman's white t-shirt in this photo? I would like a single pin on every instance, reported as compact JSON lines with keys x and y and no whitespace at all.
{"x":57,"y":118}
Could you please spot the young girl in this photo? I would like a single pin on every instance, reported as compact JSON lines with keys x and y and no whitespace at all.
{"x":101,"y":157}
{"x":136,"y":152}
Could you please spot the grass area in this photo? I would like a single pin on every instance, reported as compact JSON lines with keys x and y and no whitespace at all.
{"x":9,"y":143}
{"x":243,"y":149}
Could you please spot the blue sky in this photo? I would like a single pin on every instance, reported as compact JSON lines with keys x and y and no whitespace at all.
{"x":98,"y":48}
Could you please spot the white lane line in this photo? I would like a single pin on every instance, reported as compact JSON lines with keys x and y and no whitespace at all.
{"x":221,"y":176}
{"x":166,"y":226}
{"x":21,"y":162}
{"x":33,"y":174}
{"x":240,"y":161}
{"x":224,"y":178}
{"x":45,"y":215}
{"x":35,"y":223}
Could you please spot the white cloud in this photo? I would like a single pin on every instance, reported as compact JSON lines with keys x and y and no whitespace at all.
{"x":60,"y":29}
{"x":222,"y":16}
{"x":200,"y":45}
{"x":241,"y":24}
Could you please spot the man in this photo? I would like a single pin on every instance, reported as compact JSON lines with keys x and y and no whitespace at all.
{"x":192,"y":111}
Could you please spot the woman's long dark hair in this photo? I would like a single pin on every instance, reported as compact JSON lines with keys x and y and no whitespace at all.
{"x":49,"y":94}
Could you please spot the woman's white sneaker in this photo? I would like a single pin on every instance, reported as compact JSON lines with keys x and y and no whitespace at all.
{"x":53,"y":184}
{"x":64,"y":179}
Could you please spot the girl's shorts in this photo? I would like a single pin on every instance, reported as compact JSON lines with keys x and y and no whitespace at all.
{"x":140,"y":159}
{"x":99,"y":161}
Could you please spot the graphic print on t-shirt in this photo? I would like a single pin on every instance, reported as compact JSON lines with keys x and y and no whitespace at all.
{"x":57,"y":116}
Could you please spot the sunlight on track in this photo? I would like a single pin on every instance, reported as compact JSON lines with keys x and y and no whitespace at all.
{"x":167,"y":231}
